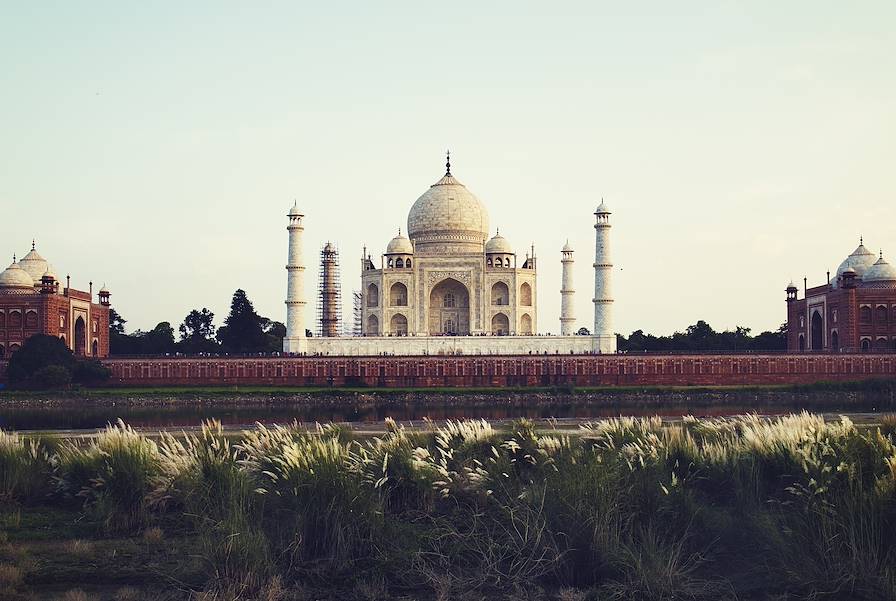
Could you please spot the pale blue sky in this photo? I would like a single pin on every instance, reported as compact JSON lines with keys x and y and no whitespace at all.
{"x":157,"y":146}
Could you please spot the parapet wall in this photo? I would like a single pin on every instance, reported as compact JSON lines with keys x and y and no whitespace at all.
{"x":367,"y":346}
{"x":489,"y":371}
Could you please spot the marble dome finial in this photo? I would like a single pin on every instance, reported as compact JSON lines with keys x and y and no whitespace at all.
{"x":448,"y":162}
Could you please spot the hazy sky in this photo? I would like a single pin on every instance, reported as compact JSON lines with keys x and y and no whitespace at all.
{"x":157,"y":146}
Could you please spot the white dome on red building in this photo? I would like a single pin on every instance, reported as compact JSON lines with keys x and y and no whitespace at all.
{"x":34,"y":264}
{"x":15,"y":280}
{"x":880,"y":275}
{"x":859,"y":261}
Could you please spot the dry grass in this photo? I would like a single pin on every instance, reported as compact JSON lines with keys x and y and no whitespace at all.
{"x":272,"y":591}
{"x":127,"y":593}
{"x":80,"y":548}
{"x":570,"y":594}
{"x":77,"y":594}
{"x":153,"y":536}
{"x":629,"y":508}
{"x":888,"y":424}
{"x":10,"y":576}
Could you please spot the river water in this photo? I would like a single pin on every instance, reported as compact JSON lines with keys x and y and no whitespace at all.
{"x":173,"y":414}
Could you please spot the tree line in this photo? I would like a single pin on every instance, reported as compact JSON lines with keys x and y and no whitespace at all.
{"x":244,"y":332}
{"x":702,"y":337}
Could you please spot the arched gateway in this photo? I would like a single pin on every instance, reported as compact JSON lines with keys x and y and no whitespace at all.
{"x":449,"y":309}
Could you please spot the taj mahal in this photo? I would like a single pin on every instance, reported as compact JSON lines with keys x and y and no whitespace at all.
{"x":451,"y":287}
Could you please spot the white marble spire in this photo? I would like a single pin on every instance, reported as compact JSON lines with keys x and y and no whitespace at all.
{"x":295,"y":341}
{"x":605,"y":337}
{"x":567,"y":293}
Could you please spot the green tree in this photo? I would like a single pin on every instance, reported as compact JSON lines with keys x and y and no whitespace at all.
{"x":197,"y":332}
{"x":38,"y":352}
{"x":243,"y":330}
{"x":119,"y":342}
{"x":701,"y":337}
{"x":116,"y":322}
{"x":275,"y":332}
{"x":51,"y":376}
{"x":771,"y":341}
{"x":45,"y":362}
{"x":90,"y":371}
{"x":157,"y":341}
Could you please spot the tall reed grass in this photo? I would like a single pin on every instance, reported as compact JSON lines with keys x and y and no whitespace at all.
{"x":113,"y":473}
{"x":24,"y":465}
{"x":627,"y":508}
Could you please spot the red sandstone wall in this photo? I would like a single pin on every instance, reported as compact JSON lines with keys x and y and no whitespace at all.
{"x":552,"y":370}
{"x":579,"y":370}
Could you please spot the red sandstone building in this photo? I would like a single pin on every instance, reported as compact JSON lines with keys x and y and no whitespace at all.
{"x":33,"y":302}
{"x":855,"y":311}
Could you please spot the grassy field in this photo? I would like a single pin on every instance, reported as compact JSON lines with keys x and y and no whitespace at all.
{"x":739,"y":508}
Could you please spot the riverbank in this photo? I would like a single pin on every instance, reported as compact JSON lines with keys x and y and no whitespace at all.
{"x":184,"y":408}
{"x":883,"y":389}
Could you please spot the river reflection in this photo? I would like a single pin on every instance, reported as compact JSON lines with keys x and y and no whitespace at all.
{"x":184,"y":415}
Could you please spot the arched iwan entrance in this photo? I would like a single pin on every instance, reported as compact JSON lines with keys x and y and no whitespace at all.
{"x":373,"y":326}
{"x":80,"y":337}
{"x":817,"y":332}
{"x":398,"y":325}
{"x":449,"y":309}
{"x":526,"y":325}
{"x":500,"y":324}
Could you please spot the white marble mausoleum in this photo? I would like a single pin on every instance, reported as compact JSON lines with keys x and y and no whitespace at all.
{"x":450,"y":287}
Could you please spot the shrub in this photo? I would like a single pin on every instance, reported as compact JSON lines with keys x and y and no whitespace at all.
{"x":90,"y":371}
{"x":37,"y":352}
{"x":51,"y":376}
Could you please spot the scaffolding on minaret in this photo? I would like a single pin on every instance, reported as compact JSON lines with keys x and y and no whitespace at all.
{"x":329,"y":306}
{"x":357,"y":310}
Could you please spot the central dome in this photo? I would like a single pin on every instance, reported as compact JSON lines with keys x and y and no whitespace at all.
{"x":450,"y":216}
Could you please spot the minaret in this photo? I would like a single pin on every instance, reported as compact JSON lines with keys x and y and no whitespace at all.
{"x":604,"y":337}
{"x":295,"y":286}
{"x":567,"y":294}
{"x":329,"y":311}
